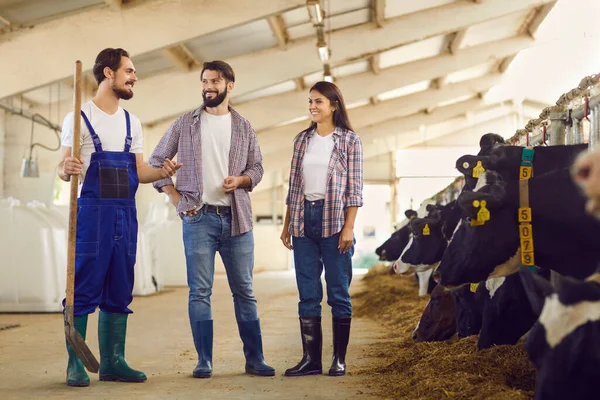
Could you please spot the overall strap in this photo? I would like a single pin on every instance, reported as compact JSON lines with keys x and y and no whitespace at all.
{"x":128,"y":139}
{"x":95,"y":138}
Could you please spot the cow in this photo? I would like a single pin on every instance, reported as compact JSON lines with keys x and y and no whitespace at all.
{"x":391,"y":249}
{"x":586,"y":173}
{"x":563,"y":344}
{"x":565,"y":238}
{"x":429,"y":239}
{"x":506,"y":160}
{"x":505,"y":309}
{"x":449,"y":312}
{"x":424,"y":251}
{"x":438,"y":321}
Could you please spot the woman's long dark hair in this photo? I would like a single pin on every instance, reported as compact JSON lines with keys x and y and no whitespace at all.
{"x":333,"y":93}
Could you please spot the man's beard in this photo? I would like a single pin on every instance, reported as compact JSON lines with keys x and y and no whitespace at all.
{"x":121,"y":93}
{"x":215,"y":101}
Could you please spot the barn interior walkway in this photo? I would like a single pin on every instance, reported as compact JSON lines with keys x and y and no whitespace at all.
{"x":33,"y":358}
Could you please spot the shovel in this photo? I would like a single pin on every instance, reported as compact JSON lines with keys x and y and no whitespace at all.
{"x":73,"y":337}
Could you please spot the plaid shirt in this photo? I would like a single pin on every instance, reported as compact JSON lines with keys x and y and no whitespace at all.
{"x":183,"y":138}
{"x":344,"y":181}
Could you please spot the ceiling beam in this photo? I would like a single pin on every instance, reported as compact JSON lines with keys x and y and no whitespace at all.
{"x":277,"y":25}
{"x":273,"y":140}
{"x":146,"y":27}
{"x":176,"y":96}
{"x":355,"y":43}
{"x":456,"y":41}
{"x":359,"y":87}
{"x":530,"y":27}
{"x":540,"y":15}
{"x":5,"y":21}
{"x":182,"y":57}
{"x":378,"y":12}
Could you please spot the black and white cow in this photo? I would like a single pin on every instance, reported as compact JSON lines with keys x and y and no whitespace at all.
{"x":505,"y":309}
{"x":506,"y":160}
{"x":565,"y":238}
{"x":563,"y":344}
{"x":391,"y":249}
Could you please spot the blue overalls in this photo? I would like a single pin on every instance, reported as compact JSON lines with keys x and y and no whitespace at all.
{"x":106,"y":229}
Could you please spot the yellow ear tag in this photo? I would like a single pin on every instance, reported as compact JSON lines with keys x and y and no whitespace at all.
{"x":483,"y":214}
{"x":473,"y":287}
{"x":411,"y":217}
{"x":426,"y":230}
{"x":478,"y":170}
{"x":476,"y":222}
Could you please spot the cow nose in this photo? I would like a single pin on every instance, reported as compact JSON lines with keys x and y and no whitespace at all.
{"x":437,"y":276}
{"x":395,"y":267}
{"x":414,"y":335}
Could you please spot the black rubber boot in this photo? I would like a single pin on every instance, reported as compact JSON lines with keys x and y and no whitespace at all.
{"x":312,"y":346}
{"x":341,"y":335}
{"x":76,"y":375}
{"x":253,"y":350}
{"x":202,"y":332}
{"x":112,"y":329}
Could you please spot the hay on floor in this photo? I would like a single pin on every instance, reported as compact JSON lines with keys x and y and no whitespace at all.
{"x":437,"y":370}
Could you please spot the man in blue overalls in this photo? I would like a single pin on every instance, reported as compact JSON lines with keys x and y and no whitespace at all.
{"x":111,"y":167}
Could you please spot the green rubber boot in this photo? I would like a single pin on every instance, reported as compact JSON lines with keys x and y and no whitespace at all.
{"x":76,"y":375}
{"x":112,"y":329}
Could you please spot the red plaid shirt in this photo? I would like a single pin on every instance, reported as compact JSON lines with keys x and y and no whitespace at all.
{"x":183,"y":138}
{"x":344,"y":181}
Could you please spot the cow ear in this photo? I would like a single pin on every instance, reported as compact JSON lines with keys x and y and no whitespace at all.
{"x":410,"y":213}
{"x":488,"y":142}
{"x":430,"y":207}
{"x":536,"y":288}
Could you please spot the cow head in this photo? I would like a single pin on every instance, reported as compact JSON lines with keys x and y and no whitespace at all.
{"x":485,"y":243}
{"x":392,"y":248}
{"x":428,"y":242}
{"x":563,"y":344}
{"x":438,"y":321}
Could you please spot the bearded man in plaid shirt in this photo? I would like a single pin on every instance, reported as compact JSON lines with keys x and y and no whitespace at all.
{"x":222,"y":163}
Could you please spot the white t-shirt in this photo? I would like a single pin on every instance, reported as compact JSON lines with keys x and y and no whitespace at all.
{"x":216,"y":143}
{"x":316,"y":163}
{"x":111,"y":129}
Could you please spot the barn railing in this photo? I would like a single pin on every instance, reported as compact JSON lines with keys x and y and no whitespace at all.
{"x":574,"y":118}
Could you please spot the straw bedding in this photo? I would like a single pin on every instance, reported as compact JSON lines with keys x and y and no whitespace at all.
{"x":452,"y":369}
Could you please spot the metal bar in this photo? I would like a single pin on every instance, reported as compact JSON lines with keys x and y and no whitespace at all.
{"x":23,"y":114}
{"x":577,"y":131}
{"x":578,"y":112}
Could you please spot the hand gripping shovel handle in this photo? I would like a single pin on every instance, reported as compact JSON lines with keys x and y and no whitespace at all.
{"x":73,"y":337}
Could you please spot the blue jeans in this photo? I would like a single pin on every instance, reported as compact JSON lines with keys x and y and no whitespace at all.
{"x":203,"y":235}
{"x":311,"y":253}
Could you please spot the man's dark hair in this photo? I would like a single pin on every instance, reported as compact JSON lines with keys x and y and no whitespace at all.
{"x":224,"y":69}
{"x":110,"y":58}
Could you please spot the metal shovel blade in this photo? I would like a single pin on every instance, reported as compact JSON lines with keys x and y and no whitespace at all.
{"x":81,"y":349}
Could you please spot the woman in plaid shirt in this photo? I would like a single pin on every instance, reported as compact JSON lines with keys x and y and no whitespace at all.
{"x":325,"y":191}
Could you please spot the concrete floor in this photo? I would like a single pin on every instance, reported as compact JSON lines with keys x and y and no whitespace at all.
{"x":33,"y":357}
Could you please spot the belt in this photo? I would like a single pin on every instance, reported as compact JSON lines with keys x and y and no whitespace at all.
{"x":220,"y":210}
{"x":320,"y":202}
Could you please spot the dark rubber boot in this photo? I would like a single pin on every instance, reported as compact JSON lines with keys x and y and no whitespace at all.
{"x":312,"y":346}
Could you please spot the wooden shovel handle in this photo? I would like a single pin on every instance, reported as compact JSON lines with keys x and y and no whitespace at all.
{"x":74,"y":188}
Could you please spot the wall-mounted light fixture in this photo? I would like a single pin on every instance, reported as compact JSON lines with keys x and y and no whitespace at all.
{"x":315,"y":11}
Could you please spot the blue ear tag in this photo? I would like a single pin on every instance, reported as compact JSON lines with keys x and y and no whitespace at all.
{"x":527,"y":156}
{"x":533,"y":268}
